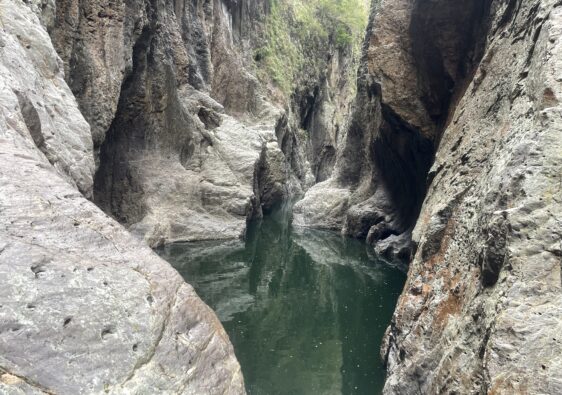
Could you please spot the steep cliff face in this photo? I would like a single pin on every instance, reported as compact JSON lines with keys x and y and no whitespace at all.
{"x":416,"y":58}
{"x":472,"y":88}
{"x":310,"y":51}
{"x":85,"y":308}
{"x":450,"y":161}
{"x":481,"y":309}
{"x":187,"y":144}
{"x":172,"y":163}
{"x":182,"y":144}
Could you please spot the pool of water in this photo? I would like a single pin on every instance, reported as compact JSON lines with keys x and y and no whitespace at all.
{"x":305,"y":310}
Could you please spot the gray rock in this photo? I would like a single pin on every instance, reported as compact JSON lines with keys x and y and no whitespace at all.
{"x":481,"y":310}
{"x":324,"y":206}
{"x":84,"y":307}
{"x":478,"y":85}
{"x":34,"y":87}
{"x":154,"y":83}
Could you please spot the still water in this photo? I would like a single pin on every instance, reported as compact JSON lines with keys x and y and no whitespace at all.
{"x":305,"y":310}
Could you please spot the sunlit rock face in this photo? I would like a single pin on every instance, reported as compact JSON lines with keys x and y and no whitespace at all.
{"x":84,"y":307}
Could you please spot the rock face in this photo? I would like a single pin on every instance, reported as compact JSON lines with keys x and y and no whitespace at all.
{"x":84,"y":307}
{"x":450,"y":161}
{"x":405,"y":86}
{"x":153,"y":111}
{"x":172,"y":164}
{"x":474,"y":89}
{"x":187,"y":146}
{"x":481,"y":310}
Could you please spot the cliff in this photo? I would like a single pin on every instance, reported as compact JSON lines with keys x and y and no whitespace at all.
{"x":190,"y":144}
{"x":184,"y":120}
{"x":169,"y":117}
{"x":451,"y":163}
{"x":85,"y":308}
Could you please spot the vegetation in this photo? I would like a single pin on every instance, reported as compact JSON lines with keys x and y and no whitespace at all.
{"x":296,"y":31}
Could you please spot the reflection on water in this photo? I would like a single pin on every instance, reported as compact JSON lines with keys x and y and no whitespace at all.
{"x":305,"y":310}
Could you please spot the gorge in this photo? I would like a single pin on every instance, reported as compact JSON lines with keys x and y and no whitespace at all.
{"x":304,"y":309}
{"x":417,"y":134}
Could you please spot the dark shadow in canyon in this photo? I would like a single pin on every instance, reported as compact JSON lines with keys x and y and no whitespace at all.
{"x":447,"y":44}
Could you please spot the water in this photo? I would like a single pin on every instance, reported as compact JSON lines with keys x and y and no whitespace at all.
{"x":305,"y":310}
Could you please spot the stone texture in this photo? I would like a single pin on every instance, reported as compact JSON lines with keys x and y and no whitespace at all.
{"x":183,"y":132}
{"x":188,"y":147}
{"x":481,"y":310}
{"x":477,"y":86}
{"x":156,"y":82}
{"x":415,"y":57}
{"x":84,"y":307}
{"x":173,"y":165}
{"x":31,"y":75}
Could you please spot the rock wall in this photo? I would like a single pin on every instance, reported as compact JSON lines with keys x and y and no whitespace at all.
{"x":455,"y":144}
{"x":153,"y":112}
{"x":188,"y":146}
{"x":481,"y":309}
{"x":416,"y":58}
{"x":172,"y":164}
{"x":85,"y":308}
{"x":450,"y":161}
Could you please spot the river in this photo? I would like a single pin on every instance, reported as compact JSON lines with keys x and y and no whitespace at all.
{"x":305,"y":309}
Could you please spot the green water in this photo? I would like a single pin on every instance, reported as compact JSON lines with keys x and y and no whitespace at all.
{"x":305,"y":310}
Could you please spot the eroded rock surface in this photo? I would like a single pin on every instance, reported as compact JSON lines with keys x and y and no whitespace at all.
{"x":479,"y":87}
{"x":474,"y":89}
{"x":84,"y":307}
{"x":172,"y":165}
{"x":481,"y":311}
{"x":415,"y":59}
{"x":188,"y":145}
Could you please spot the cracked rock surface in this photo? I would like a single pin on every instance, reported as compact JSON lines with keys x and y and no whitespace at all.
{"x":84,"y":307}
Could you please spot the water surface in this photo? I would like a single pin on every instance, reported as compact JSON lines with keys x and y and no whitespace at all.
{"x":305,"y":310}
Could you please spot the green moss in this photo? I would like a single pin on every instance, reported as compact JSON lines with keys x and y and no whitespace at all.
{"x":298,"y":34}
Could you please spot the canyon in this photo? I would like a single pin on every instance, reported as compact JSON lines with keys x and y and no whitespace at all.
{"x":431,"y":130}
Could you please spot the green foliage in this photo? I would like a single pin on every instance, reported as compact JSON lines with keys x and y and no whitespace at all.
{"x":298,"y":34}
{"x":343,"y":37}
